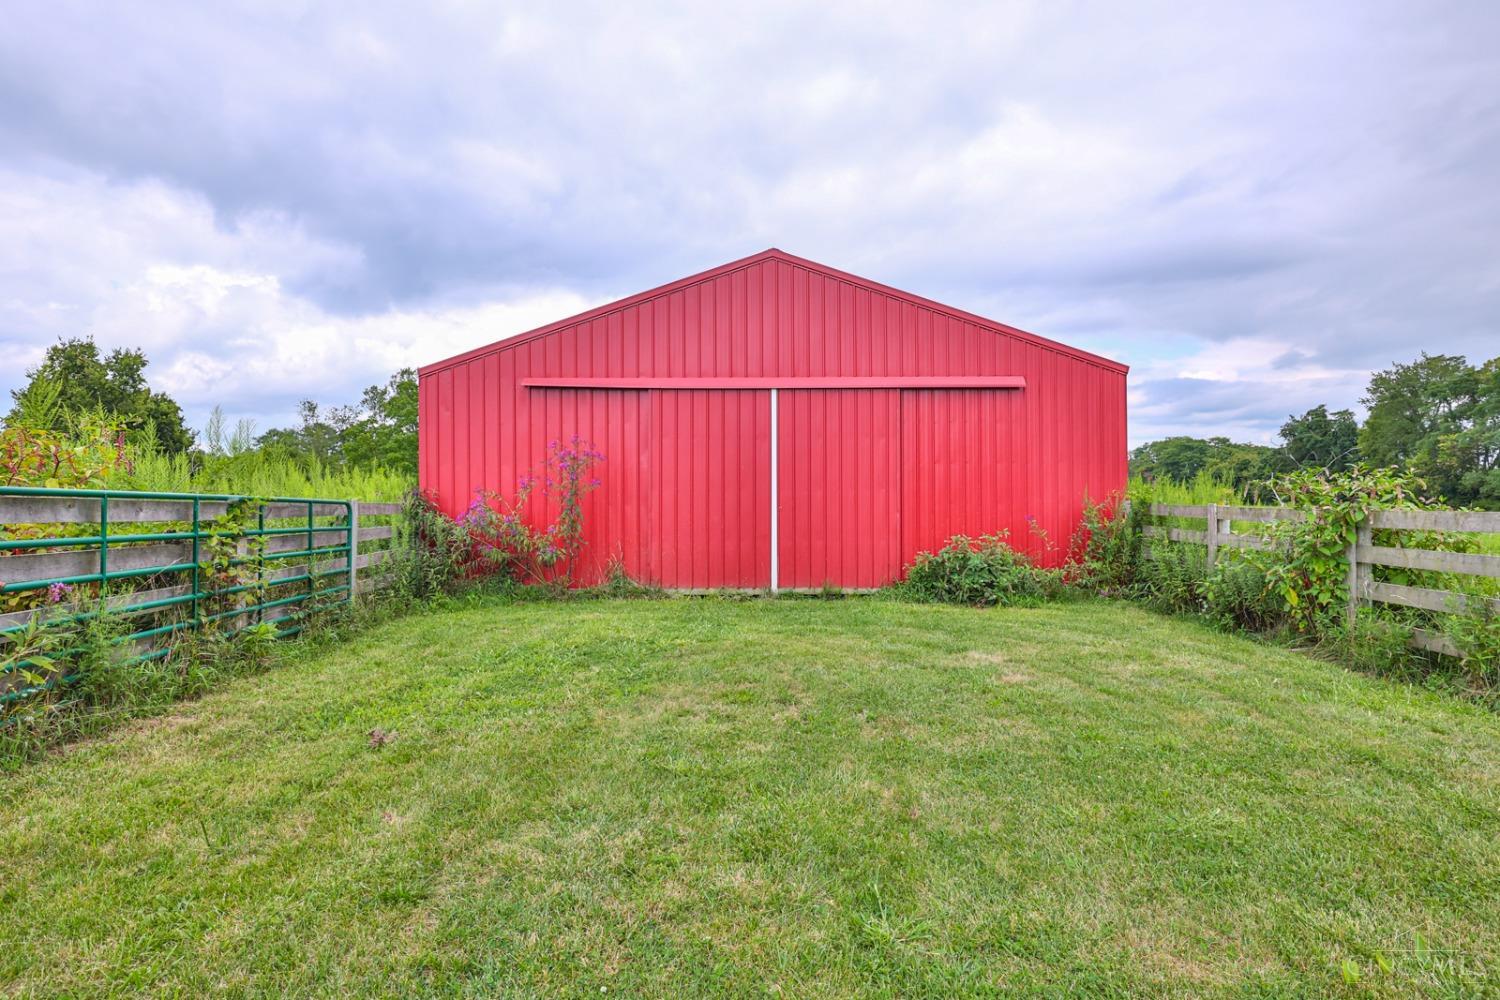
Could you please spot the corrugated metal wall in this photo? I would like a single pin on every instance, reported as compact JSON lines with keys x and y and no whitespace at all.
{"x":868,"y":477}
{"x":840,"y":486}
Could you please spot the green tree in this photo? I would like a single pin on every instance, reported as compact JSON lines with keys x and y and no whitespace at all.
{"x":114,"y":386}
{"x":1466,"y":460}
{"x":1181,"y":459}
{"x":1321,"y":440}
{"x":1247,"y":467}
{"x":319,"y":439}
{"x":386,"y":431}
{"x":1440,"y":418}
{"x":1412,"y":405}
{"x":380,"y":430}
{"x":1177,"y":458}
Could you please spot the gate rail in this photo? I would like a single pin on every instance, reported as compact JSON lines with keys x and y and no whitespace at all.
{"x":324,"y":534}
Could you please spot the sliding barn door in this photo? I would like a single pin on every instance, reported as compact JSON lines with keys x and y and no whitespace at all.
{"x":838,"y":465}
{"x":709,"y":463}
{"x":961,"y":471}
{"x":615,"y":516}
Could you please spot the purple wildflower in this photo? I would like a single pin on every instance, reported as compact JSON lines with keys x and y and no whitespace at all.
{"x":58,"y":592}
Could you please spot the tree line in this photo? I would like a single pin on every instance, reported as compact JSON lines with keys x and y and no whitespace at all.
{"x":1438,"y":417}
{"x":77,"y":386}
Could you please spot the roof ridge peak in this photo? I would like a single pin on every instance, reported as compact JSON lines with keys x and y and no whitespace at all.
{"x":794,"y":260}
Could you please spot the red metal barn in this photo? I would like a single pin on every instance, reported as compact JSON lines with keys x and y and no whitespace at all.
{"x":775,"y":423}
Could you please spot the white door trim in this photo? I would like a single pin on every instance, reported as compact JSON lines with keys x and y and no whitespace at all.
{"x":775,"y":491}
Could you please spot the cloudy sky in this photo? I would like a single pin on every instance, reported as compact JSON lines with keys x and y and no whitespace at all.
{"x":1252,"y":207}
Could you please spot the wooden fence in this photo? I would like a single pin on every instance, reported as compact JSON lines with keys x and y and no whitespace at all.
{"x":1361,"y":556}
{"x":143,"y":552}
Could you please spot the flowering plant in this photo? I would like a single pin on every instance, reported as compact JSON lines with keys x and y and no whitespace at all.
{"x":502,"y":533}
{"x":83,"y":457}
{"x":37,"y":457}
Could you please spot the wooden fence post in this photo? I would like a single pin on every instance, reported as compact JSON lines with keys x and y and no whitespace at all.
{"x":353,"y":549}
{"x":1213,"y":535}
{"x":1360,"y":574}
{"x":1351,"y":574}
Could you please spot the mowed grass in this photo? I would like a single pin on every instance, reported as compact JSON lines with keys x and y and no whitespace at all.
{"x":802,"y":798}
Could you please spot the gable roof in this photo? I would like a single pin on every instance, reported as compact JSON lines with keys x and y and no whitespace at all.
{"x":780,"y":255}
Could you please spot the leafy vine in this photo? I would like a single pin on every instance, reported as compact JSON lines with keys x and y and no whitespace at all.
{"x":1309,"y":566}
{"x":231,"y":556}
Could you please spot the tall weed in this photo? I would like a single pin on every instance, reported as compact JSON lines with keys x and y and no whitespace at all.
{"x":1238,"y":596}
{"x":254,"y":473}
{"x":1172,"y":580}
{"x":1105,"y":554}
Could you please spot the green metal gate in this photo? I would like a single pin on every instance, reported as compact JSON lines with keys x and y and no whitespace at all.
{"x":194,"y":592}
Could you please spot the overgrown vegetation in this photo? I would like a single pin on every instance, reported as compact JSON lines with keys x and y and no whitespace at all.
{"x":1105,"y":554}
{"x":1296,"y":591}
{"x":1437,"y":418}
{"x":432,"y":556}
{"x":1238,"y":595}
{"x":89,"y":420}
{"x":531,"y":537}
{"x":980,"y":572}
{"x":504,"y":532}
{"x":108,"y":679}
{"x":1172,"y":580}
{"x":1308,"y":566}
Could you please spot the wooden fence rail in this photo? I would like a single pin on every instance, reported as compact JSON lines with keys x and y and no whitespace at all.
{"x":1361,"y":556}
{"x":326,"y":536}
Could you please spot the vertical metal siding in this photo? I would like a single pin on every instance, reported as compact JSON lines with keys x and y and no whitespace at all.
{"x":868,"y":477}
{"x":840,"y":481}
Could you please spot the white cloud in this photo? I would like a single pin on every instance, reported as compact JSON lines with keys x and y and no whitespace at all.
{"x":1277,"y":197}
{"x":210,"y":307}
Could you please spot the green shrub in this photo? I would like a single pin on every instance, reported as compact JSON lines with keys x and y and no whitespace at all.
{"x":1238,"y":596}
{"x":1475,"y":630}
{"x":1307,"y":562}
{"x":432,"y":552}
{"x":979,"y":571}
{"x":1172,"y":579}
{"x":1374,"y":644}
{"x":1105,"y":555}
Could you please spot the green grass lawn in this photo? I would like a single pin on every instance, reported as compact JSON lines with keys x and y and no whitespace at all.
{"x":793,"y":798}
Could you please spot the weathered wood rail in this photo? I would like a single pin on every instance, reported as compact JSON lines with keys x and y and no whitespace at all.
{"x":1361,"y":556}
{"x":146,"y":556}
{"x":178,"y":556}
